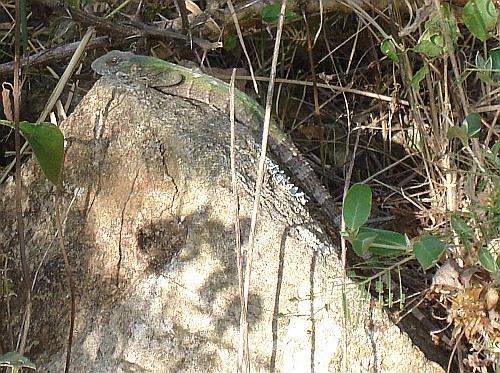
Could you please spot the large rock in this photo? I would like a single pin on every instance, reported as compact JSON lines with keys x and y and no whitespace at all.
{"x":149,"y":229}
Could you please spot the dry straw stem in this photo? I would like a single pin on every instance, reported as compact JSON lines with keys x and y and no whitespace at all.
{"x":332,"y":87}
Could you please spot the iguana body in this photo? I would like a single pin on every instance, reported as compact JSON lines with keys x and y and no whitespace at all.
{"x":183,"y":82}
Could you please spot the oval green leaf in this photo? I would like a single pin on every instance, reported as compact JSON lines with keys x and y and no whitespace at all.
{"x":428,"y":48}
{"x":428,"y":250}
{"x":47,"y":142}
{"x":389,"y":49}
{"x":495,"y":59}
{"x":487,"y":261}
{"x":480,"y":17}
{"x":472,"y":125}
{"x":386,"y":243}
{"x":357,"y":205}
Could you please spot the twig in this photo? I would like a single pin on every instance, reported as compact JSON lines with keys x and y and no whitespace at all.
{"x":67,"y":268}
{"x":242,"y":43}
{"x":55,"y":54}
{"x":261,"y":170}
{"x":19,"y":207}
{"x":237,"y":228}
{"x":50,"y":104}
{"x":335,"y":88}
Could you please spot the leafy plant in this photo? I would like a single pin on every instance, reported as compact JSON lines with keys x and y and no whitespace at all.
{"x":480,"y":17}
{"x":382,"y":250}
{"x":488,"y":70}
{"x":432,"y":41}
{"x":379,"y":242}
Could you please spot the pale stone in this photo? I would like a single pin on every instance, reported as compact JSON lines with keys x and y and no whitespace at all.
{"x":150,"y":237}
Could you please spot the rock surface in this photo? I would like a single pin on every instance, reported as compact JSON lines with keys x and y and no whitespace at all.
{"x":149,"y":229}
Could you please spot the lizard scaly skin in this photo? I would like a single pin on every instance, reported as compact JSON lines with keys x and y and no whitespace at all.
{"x":179,"y":81}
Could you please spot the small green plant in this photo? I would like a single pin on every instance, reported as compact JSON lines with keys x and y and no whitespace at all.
{"x":383,"y":251}
{"x":432,"y":41}
{"x":488,"y":70}
{"x":480,"y":18}
{"x":379,"y":242}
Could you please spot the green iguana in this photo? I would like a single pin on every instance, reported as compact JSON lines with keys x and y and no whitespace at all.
{"x":179,"y":81}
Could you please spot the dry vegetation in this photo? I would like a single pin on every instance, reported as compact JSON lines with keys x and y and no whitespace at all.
{"x":348,"y":107}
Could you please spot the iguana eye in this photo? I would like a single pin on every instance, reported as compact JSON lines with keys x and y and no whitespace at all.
{"x":113,"y":61}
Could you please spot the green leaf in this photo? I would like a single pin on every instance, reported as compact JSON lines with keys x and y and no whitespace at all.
{"x":362,"y":242}
{"x":472,"y":125}
{"x":15,"y":360}
{"x":480,"y":17}
{"x":459,"y":225}
{"x":386,"y":243}
{"x":458,"y":133}
{"x":419,"y":75}
{"x":487,"y":260}
{"x":271,"y":13}
{"x":495,"y":59}
{"x":380,"y":242}
{"x":388,"y":238}
{"x":389,"y":49}
{"x":47,"y":142}
{"x":495,"y":149}
{"x":428,"y":250}
{"x":357,"y":205}
{"x":431,"y":48}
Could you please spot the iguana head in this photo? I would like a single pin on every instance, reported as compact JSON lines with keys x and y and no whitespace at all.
{"x":113,"y":63}
{"x":147,"y":70}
